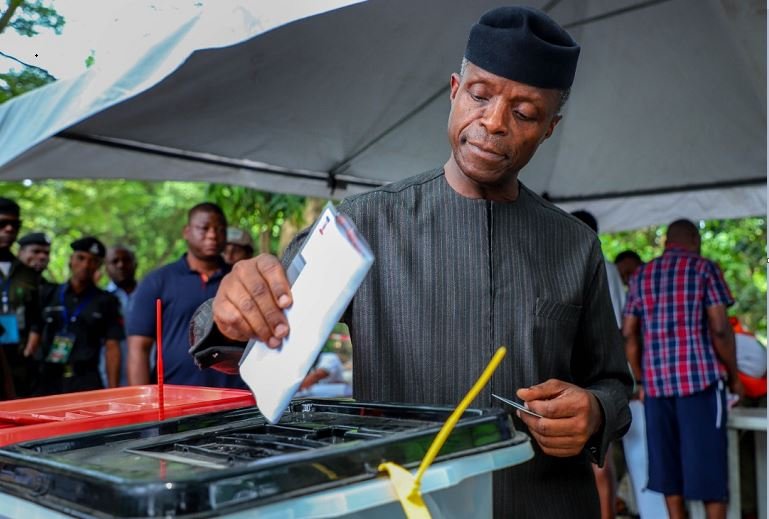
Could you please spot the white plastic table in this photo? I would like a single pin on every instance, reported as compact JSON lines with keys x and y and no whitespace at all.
{"x":746,"y":419}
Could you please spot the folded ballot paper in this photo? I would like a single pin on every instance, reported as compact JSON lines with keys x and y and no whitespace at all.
{"x":324,"y":276}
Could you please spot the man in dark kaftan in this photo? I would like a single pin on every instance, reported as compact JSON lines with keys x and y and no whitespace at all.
{"x":468,"y":259}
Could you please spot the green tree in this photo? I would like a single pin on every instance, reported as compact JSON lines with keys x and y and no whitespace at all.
{"x":14,"y":83}
{"x":271,"y":218}
{"x":146,"y":216}
{"x":738,"y":246}
{"x":26,"y":16}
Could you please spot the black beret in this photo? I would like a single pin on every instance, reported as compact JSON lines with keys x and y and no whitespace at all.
{"x":525,"y":45}
{"x":35,"y":238}
{"x":89,"y":244}
{"x":8,"y":206}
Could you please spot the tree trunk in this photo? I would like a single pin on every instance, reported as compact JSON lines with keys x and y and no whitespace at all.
{"x":5,"y":19}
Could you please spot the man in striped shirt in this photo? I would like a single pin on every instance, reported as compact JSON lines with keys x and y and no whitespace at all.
{"x":678,"y":302}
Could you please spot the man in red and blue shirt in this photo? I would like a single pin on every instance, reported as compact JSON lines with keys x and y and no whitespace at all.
{"x":678,"y":302}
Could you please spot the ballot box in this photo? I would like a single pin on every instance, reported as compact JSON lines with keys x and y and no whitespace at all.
{"x":320,"y":460}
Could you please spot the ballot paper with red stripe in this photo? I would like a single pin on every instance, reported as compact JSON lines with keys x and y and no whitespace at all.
{"x":324,"y":276}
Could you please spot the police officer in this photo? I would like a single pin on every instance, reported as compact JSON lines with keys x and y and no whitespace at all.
{"x":78,"y":318}
{"x":35,"y":252}
{"x":19,"y":306}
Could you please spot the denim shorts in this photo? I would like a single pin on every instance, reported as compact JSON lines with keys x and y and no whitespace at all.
{"x":687,"y":444}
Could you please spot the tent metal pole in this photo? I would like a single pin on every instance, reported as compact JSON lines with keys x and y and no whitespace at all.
{"x":336,"y":181}
{"x":331,"y":180}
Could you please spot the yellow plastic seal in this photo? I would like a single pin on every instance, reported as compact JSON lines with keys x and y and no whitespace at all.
{"x":407,"y":487}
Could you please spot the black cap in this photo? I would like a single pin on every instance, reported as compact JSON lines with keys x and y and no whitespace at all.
{"x":8,"y":206}
{"x":525,"y":45}
{"x":89,"y":244}
{"x":35,"y":238}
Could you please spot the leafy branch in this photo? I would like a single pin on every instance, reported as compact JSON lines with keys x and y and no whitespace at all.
{"x":26,"y":16}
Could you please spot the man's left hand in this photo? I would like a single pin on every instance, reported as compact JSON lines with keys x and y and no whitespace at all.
{"x":736,"y":388}
{"x":570,"y":416}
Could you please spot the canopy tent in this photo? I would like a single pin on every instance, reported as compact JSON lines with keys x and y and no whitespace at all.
{"x":667,"y":116}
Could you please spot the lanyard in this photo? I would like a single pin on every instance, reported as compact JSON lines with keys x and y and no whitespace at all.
{"x":4,"y":294}
{"x":79,"y":308}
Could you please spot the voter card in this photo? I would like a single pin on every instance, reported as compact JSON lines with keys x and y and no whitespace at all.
{"x":324,"y":276}
{"x":518,"y":405}
{"x":9,"y":329}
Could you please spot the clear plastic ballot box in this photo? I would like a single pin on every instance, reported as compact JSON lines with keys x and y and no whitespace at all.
{"x":320,"y":460}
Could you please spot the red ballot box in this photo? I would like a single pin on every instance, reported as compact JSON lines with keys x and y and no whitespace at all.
{"x":43,"y":417}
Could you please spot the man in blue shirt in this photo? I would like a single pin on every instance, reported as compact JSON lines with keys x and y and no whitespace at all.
{"x":121,"y":269}
{"x":181,"y":286}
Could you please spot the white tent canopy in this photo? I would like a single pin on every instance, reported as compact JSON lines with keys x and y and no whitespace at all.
{"x":667,"y":117}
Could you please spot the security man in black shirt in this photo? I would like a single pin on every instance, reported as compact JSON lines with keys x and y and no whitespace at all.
{"x":77,"y":319}
{"x":19,"y":308}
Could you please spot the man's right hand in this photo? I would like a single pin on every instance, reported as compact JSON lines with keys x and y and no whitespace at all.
{"x":251,"y":300}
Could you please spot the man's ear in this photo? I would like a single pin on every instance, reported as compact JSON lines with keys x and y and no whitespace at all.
{"x":186,"y":232}
{"x":553,"y":123}
{"x":454,"y":84}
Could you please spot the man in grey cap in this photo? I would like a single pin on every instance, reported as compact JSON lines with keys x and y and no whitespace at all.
{"x":467,"y":259}
{"x":239,"y":246}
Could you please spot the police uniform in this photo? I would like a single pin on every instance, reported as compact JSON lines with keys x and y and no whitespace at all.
{"x":74,"y":328}
{"x":19,"y":311}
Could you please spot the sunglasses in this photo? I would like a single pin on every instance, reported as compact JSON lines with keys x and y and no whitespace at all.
{"x":14,"y":224}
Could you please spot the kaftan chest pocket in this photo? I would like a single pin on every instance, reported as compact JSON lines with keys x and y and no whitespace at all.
{"x":557,"y":311}
{"x":555,"y":330}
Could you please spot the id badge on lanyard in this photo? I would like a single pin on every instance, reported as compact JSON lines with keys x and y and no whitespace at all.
{"x":64,"y":341}
{"x":9,"y":322}
{"x":61,"y":348}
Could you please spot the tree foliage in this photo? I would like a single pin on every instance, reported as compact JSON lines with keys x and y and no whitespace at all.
{"x":14,"y":83}
{"x":269,"y":217}
{"x":147,"y":216}
{"x":27,"y":16}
